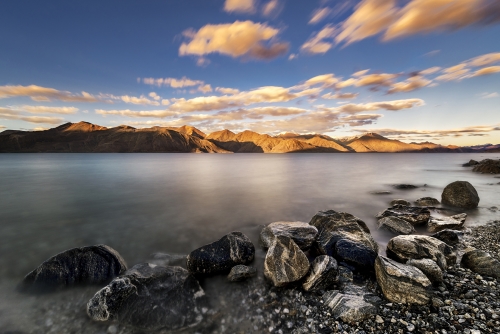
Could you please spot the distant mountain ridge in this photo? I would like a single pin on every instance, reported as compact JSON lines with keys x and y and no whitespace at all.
{"x":83,"y":137}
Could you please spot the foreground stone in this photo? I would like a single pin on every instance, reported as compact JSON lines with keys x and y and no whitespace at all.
{"x":429,"y":268}
{"x":240,"y":273}
{"x":487,"y":166}
{"x":150,"y":297}
{"x":460,"y":194}
{"x":411,"y":214}
{"x":86,"y":265}
{"x":402,"y":283}
{"x":400,"y":202}
{"x":349,"y":308}
{"x":481,"y":262}
{"x":302,"y":233}
{"x":324,"y":272}
{"x":220,"y":256}
{"x":396,"y":225}
{"x":449,"y":237}
{"x":427,"y":201}
{"x":285,"y":262}
{"x":452,"y":222}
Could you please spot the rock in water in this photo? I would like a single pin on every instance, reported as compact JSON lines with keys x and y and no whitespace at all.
{"x":220,"y":256}
{"x":427,"y":201}
{"x":453,"y":222}
{"x":405,"y":186}
{"x":481,"y":262}
{"x":324,"y":272}
{"x":302,"y":233}
{"x":241,"y":273}
{"x":285,"y":262}
{"x":400,"y":202}
{"x":401,"y":283}
{"x":488,"y":166}
{"x":150,"y":297}
{"x":349,"y":308}
{"x":429,"y":268}
{"x":460,"y":194}
{"x":396,"y":225}
{"x":86,"y":265}
{"x":471,"y":162}
{"x":405,"y":247}
{"x":449,"y":237}
{"x":411,"y":214}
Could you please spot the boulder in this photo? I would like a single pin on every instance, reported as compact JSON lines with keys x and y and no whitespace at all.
{"x":150,"y":297}
{"x":302,"y":233}
{"x":460,"y":194}
{"x":86,"y":265}
{"x":429,"y":268}
{"x":349,"y":308}
{"x":405,"y":247}
{"x":405,"y":186}
{"x":285,"y":262}
{"x":487,"y":166}
{"x":450,"y":237}
{"x":396,"y":225}
{"x":411,"y":214}
{"x":324,"y":272}
{"x":471,"y":162}
{"x":452,"y":222}
{"x":240,"y":273}
{"x":427,"y":201}
{"x":481,"y":262}
{"x":220,"y":256}
{"x":400,"y":202}
{"x":401,"y":283}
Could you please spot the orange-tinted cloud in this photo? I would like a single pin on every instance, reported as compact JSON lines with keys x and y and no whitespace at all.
{"x":319,"y":15}
{"x":240,"y":6}
{"x":13,"y":114}
{"x":320,"y":42}
{"x":38,"y":93}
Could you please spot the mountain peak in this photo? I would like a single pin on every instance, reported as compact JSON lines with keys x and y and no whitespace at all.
{"x":81,"y":127}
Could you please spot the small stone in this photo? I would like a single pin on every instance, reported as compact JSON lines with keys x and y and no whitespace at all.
{"x":411,"y":214}
{"x":404,"y":186}
{"x":427,"y":201}
{"x":396,"y":225}
{"x":436,"y":302}
{"x":240,"y":273}
{"x":400,"y":202}
{"x":379,"y":320}
{"x":453,"y":222}
{"x":450,"y":237}
{"x":112,"y":329}
{"x":349,"y":308}
{"x":302,"y":233}
{"x":429,"y":268}
{"x":410,"y":327}
{"x":324,"y":272}
{"x":481,"y":262}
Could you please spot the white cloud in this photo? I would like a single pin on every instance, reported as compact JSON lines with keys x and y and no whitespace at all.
{"x":132,"y":113}
{"x":489,"y":95}
{"x":484,"y":60}
{"x":411,"y":84}
{"x":139,"y":100}
{"x":154,"y":96}
{"x":330,"y":96}
{"x":12,"y":114}
{"x":394,"y":105}
{"x":360,"y":73}
{"x":272,"y":8}
{"x":430,"y":70}
{"x":172,"y":82}
{"x":239,"y":6}
{"x":38,"y":93}
{"x":326,"y":80}
{"x":320,"y":42}
{"x":486,"y":71}
{"x":227,"y":91}
{"x":205,"y":88}
{"x":319,"y":15}
{"x":48,"y":110}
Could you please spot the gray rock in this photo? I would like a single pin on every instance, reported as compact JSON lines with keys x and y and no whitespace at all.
{"x":481,"y":262}
{"x":405,"y":247}
{"x":460,"y":194}
{"x":324,"y":272}
{"x":450,"y":237}
{"x":427,"y":201}
{"x":220,"y":256}
{"x":396,"y":225}
{"x":302,"y":233}
{"x":349,"y":308}
{"x":150,"y":297}
{"x":404,"y":186}
{"x":402,"y":283}
{"x":488,"y":166}
{"x":411,"y":214}
{"x":87,"y":265}
{"x":285,"y":262}
{"x":452,"y":222}
{"x":400,"y":202}
{"x":471,"y":162}
{"x":241,"y":273}
{"x":429,"y":268}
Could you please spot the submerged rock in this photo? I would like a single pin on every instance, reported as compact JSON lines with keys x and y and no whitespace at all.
{"x":396,"y":225}
{"x":450,"y":237}
{"x":349,"y":308}
{"x":411,"y":214}
{"x":405,"y":186}
{"x":220,"y":256}
{"x":460,"y":194}
{"x":302,"y":233}
{"x":471,"y":162}
{"x":241,"y":273}
{"x":427,"y":201}
{"x":452,"y":222}
{"x":324,"y":272}
{"x":429,"y":268}
{"x":285,"y":262}
{"x":481,"y":262}
{"x":401,"y":283}
{"x":487,"y":166}
{"x":400,"y":202}
{"x":150,"y":297}
{"x":86,"y":265}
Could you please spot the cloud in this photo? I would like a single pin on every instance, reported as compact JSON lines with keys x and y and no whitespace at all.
{"x":48,"y":110}
{"x":154,"y":96}
{"x":411,"y":84}
{"x":172,"y":82}
{"x":239,"y":6}
{"x":2,"y":127}
{"x":292,"y":56}
{"x":326,"y":80}
{"x":320,"y":43}
{"x":431,"y":70}
{"x":12,"y":114}
{"x":131,"y":113}
{"x":319,"y":14}
{"x":432,"y":53}
{"x":470,"y":130}
{"x":454,"y":73}
{"x":360,"y":73}
{"x":330,"y":96}
{"x":139,"y":100}
{"x":272,"y":8}
{"x":227,"y":91}
{"x":394,"y":105}
{"x":238,"y":39}
{"x":375,"y":79}
{"x":489,"y":95}
{"x":485,"y":60}
{"x":486,"y":71}
{"x":205,"y":88}
{"x":38,"y":93}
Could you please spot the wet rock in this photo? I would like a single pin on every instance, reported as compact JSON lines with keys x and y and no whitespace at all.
{"x":487,"y":166}
{"x":400,"y":202}
{"x":381,"y":192}
{"x":411,"y":214}
{"x":405,"y":186}
{"x":405,"y":247}
{"x":240,"y":273}
{"x":346,"y":276}
{"x":86,"y":265}
{"x":396,"y":225}
{"x":165,"y":260}
{"x":324,"y":272}
{"x":150,"y":297}
{"x":429,"y":268}
{"x":427,"y":201}
{"x":349,"y":308}
{"x":481,"y":262}
{"x":449,"y":237}
{"x":285,"y":262}
{"x":471,"y":162}
{"x":402,"y":283}
{"x":220,"y":256}
{"x":452,"y":222}
{"x":460,"y":194}
{"x":302,"y":233}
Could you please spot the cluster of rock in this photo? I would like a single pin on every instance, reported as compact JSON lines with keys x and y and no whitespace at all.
{"x":486,"y":166}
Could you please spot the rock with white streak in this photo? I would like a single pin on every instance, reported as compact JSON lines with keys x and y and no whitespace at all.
{"x":302,"y":233}
{"x":324,"y":272}
{"x":396,"y":225}
{"x":349,"y":308}
{"x":452,"y":222}
{"x":429,"y":268}
{"x":285,"y":262}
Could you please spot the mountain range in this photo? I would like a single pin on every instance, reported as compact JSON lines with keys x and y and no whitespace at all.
{"x":85,"y":137}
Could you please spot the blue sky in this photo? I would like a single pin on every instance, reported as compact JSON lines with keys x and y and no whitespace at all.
{"x":413,"y":70}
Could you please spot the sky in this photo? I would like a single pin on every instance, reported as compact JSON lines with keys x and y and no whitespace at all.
{"x":413,"y":70}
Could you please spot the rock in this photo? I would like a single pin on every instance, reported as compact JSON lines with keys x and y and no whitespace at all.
{"x":400,"y":202}
{"x":404,"y":186}
{"x":429,"y":268}
{"x":87,"y":265}
{"x":346,"y":238}
{"x":487,"y":166}
{"x":411,"y":214}
{"x":396,"y":225}
{"x":150,"y":297}
{"x":481,"y":262}
{"x":302,"y":233}
{"x":449,"y":237}
{"x":405,"y":247}
{"x":285,"y":262}
{"x":220,"y":256}
{"x":460,"y":194}
{"x":346,"y":276}
{"x":324,"y":272}
{"x":453,"y":222}
{"x":381,"y":192}
{"x":241,"y":273}
{"x":402,"y":283}
{"x":349,"y":308}
{"x":471,"y":162}
{"x":427,"y":201}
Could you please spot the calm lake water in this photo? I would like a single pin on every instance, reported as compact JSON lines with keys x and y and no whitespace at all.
{"x":145,"y":203}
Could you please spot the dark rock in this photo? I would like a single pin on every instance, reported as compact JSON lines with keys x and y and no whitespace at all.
{"x":411,"y":214}
{"x":460,"y":194}
{"x":302,"y":233}
{"x":427,"y":201}
{"x":359,"y":255}
{"x":471,"y":162}
{"x":241,"y":273}
{"x":396,"y":225}
{"x":324,"y":272}
{"x":220,"y":256}
{"x":481,"y":262}
{"x":487,"y":166}
{"x":150,"y":297}
{"x":429,"y":268}
{"x":452,"y":222}
{"x":405,"y":186}
{"x":450,"y":237}
{"x":349,"y":308}
{"x":285,"y":262}
{"x":400,"y":202}
{"x":402,"y":283}
{"x":87,"y":265}
{"x":346,"y":276}
{"x":381,"y":192}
